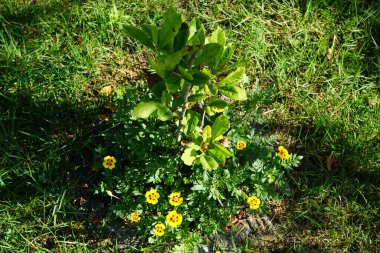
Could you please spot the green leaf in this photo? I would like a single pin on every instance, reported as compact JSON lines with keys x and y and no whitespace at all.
{"x":139,"y":35}
{"x":233,"y":78}
{"x":217,"y":36}
{"x":189,"y":156}
{"x":226,"y":55}
{"x":152,"y":32}
{"x":170,"y":27}
{"x":217,"y":103}
{"x":173,"y":83}
{"x":180,"y":39}
{"x":170,"y":61}
{"x":222,"y":149}
{"x":197,"y":34}
{"x":145,"y":109}
{"x":233,"y":92}
{"x":185,"y":73}
{"x":198,"y":187}
{"x":164,"y":113}
{"x":211,"y":89}
{"x":208,"y":162}
{"x":200,"y":77}
{"x":197,"y":98}
{"x":159,"y":69}
{"x":192,"y":119}
{"x":166,"y":98}
{"x":209,"y":53}
{"x":218,"y":156}
{"x":206,"y":134}
{"x":220,"y":126}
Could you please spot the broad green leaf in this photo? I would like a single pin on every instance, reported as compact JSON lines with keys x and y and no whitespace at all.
{"x":206,"y":134}
{"x":173,"y":83}
{"x":152,"y":32}
{"x":189,"y":156}
{"x":211,"y":89}
{"x":197,"y":98}
{"x":217,"y":103}
{"x":217,"y":36}
{"x":192,"y":120}
{"x":139,"y":35}
{"x":145,"y":109}
{"x":170,"y":61}
{"x":164,"y":113}
{"x":233,"y":78}
{"x":158,"y":68}
{"x":209,"y":53}
{"x":166,"y":98}
{"x":220,"y":126}
{"x":218,"y":156}
{"x":208,"y":162}
{"x":233,"y":92}
{"x":222,"y":149}
{"x":197,"y":34}
{"x":200,"y":77}
{"x":226,"y":55}
{"x":209,"y":111}
{"x":170,"y":27}
{"x":185,"y":73}
{"x":180,"y":39}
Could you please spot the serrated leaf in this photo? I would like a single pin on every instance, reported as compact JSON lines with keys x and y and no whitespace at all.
{"x":152,"y":32}
{"x":233,"y":92}
{"x":170,"y":27}
{"x":220,"y":126}
{"x":139,"y":35}
{"x":145,"y":109}
{"x":164,"y":113}
{"x":188,"y":156}
{"x":233,"y":78}
{"x":206,"y":134}
{"x":217,"y":36}
{"x":208,"y":162}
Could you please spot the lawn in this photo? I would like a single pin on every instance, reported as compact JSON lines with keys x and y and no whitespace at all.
{"x":314,"y":83}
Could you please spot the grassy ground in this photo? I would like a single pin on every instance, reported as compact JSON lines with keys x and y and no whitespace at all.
{"x":315,"y":65}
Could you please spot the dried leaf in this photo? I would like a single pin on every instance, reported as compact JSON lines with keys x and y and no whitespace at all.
{"x":330,"y":162}
{"x":110,"y":107}
{"x":329,"y":53}
{"x":106,"y":90}
{"x":104,"y":117}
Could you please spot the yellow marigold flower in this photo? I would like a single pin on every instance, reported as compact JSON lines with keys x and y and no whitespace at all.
{"x":283,"y":153}
{"x":218,"y":251}
{"x":109,"y":162}
{"x":174,"y":219}
{"x":135,"y":217}
{"x":152,"y":196}
{"x":175,"y":199}
{"x":217,"y":109}
{"x":253,"y":202}
{"x":159,"y":229}
{"x":240,"y":145}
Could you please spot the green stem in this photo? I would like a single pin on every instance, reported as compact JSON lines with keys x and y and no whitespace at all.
{"x":183,"y":112}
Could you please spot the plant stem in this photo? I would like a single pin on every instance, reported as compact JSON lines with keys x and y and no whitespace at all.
{"x":183,"y":112}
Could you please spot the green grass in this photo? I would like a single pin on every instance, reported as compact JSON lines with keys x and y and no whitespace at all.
{"x":56,"y":55}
